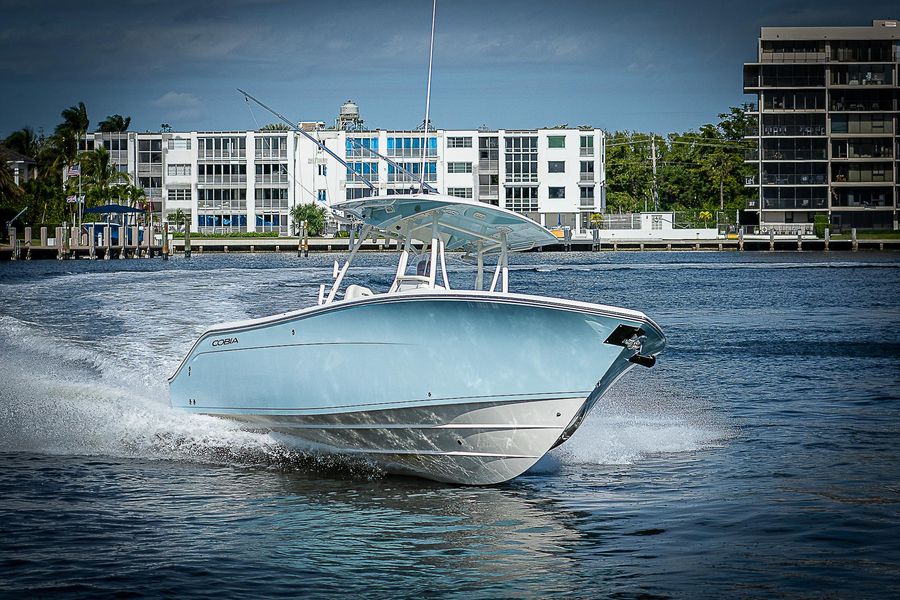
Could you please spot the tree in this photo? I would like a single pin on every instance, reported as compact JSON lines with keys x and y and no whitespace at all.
{"x":313,"y":214}
{"x":102,"y":177}
{"x":24,"y":141}
{"x":114,"y":124}
{"x":75,"y":120}
{"x":275,"y":127}
{"x":9,"y":191}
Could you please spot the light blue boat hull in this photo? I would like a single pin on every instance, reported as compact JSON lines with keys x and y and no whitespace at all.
{"x":467,"y":387}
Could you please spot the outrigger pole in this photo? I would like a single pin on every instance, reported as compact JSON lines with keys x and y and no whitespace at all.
{"x":309,"y":137}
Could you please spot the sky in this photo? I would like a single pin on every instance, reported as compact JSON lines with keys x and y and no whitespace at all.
{"x":652,"y":65}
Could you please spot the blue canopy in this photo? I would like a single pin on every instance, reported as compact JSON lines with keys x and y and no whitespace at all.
{"x":462,"y":224}
{"x":111,"y":209}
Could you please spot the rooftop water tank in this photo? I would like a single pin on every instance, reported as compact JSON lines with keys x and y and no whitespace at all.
{"x":349,"y":110}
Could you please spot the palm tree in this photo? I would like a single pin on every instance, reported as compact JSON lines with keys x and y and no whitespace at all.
{"x":114,"y":124}
{"x":102,"y":175}
{"x":75,"y":120}
{"x":24,"y":141}
{"x":8,"y":189}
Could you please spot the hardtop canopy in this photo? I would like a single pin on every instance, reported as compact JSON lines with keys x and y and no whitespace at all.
{"x":463,"y":225}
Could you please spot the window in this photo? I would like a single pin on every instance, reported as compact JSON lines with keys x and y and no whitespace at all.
{"x":179,"y":194}
{"x":587,"y":193}
{"x":459,"y":167}
{"x":228,"y":173}
{"x":179,"y":144}
{"x":360,"y":170}
{"x":459,"y":142}
{"x":587,"y":170}
{"x":322,"y":196}
{"x":178,"y":170}
{"x":521,"y":159}
{"x":460,"y":192}
{"x":222,"y":199}
{"x":556,"y":141}
{"x":522,"y":199}
{"x":271,"y":172}
{"x":271,"y":198}
{"x":587,"y":145}
{"x":355,"y":193}
{"x":556,"y":193}
{"x":220,"y":223}
{"x":359,"y":147}
{"x":150,"y":151}
{"x":323,"y":170}
{"x":556,"y":166}
{"x":410,"y":147}
{"x":396,"y":175}
{"x":271,"y":146}
{"x":221,"y":147}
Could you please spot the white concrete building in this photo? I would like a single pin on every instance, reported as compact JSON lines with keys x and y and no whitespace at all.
{"x":249,"y":180}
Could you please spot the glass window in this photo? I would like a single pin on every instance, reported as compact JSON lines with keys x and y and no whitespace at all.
{"x":459,"y":167}
{"x":556,"y":166}
{"x":556,"y":193}
{"x":460,"y":192}
{"x":459,"y":142}
{"x":556,"y":141}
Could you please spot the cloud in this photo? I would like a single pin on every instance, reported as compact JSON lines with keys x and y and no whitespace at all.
{"x":179,"y":106}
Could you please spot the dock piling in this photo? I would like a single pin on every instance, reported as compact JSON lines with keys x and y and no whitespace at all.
{"x":827,"y":238}
{"x":853,"y":241}
{"x":772,"y":241}
{"x":187,"y":241}
{"x":799,"y":242}
{"x":28,"y":243}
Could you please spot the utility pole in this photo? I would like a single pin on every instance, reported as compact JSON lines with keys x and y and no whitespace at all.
{"x":653,"y":159}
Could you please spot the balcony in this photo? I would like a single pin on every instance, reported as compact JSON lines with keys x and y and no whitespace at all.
{"x":488,"y":191}
{"x":794,"y":179}
{"x":272,"y":154}
{"x":587,"y":204}
{"x":793,"y":130}
{"x":270,"y":178}
{"x":409,"y":153}
{"x":584,"y":151}
{"x":794,"y":57}
{"x":222,"y":155}
{"x":489,"y":165}
{"x":585,"y":177}
{"x":795,"y":204}
{"x":222,"y":179}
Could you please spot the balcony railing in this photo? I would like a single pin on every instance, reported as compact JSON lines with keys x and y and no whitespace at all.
{"x":222,"y":155}
{"x":222,"y":179}
{"x":271,"y":178}
{"x":586,"y":177}
{"x":794,"y":57}
{"x":410,"y":152}
{"x":795,"y":154}
{"x":587,"y":204}
{"x":488,"y":165}
{"x":488,"y":190}
{"x":586,"y":151}
{"x":793,"y":130}
{"x":271,"y":153}
{"x":794,"y":203}
{"x":794,"y":179}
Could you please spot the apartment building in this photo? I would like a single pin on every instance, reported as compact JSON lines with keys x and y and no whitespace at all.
{"x":249,"y":180}
{"x":825,"y":126}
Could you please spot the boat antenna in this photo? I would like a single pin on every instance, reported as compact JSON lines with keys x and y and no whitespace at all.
{"x":427,"y":99}
{"x":305,"y":134}
{"x":398,"y":166}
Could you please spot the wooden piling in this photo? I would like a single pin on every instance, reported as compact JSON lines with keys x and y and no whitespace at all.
{"x":165,"y":241}
{"x":43,"y":237}
{"x":107,"y":243}
{"x":12,"y":240}
{"x":187,"y":241}
{"x":799,"y":242}
{"x":771,"y":241}
{"x":827,"y":238}
{"x":853,"y":241}
{"x":741,"y":239}
{"x":28,"y":243}
{"x":92,"y":245}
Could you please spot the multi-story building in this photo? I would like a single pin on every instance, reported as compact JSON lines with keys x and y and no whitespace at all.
{"x":249,"y":180}
{"x":826,"y":126}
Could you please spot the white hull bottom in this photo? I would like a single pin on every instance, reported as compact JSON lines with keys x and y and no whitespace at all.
{"x":475,"y":443}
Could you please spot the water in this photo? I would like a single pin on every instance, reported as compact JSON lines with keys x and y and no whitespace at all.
{"x":758,"y":458}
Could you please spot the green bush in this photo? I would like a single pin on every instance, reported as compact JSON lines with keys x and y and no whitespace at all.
{"x":233,"y":235}
{"x":820,"y":223}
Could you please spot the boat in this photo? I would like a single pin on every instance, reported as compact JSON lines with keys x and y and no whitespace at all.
{"x":460,"y":381}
